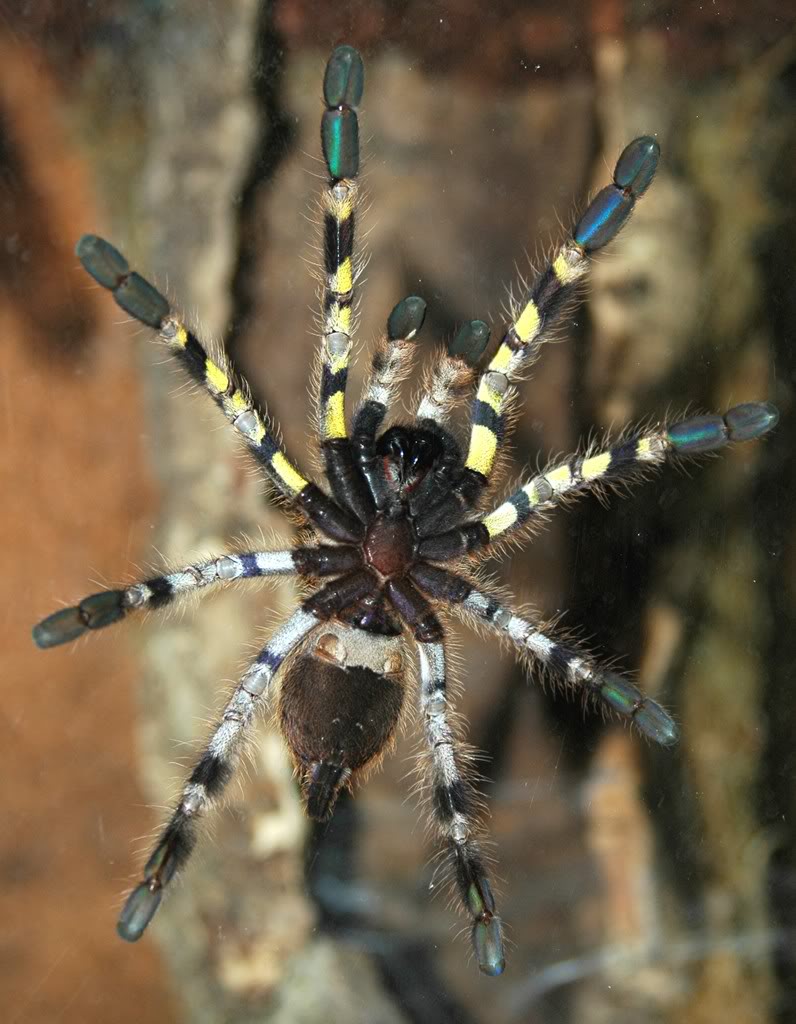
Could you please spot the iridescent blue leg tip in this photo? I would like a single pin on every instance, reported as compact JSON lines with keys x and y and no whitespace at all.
{"x":751,"y":420}
{"x":132,"y":292}
{"x":637,"y":164}
{"x":406,"y":319}
{"x":138,"y":911}
{"x":488,"y":946}
{"x":344,"y":81}
{"x":102,"y":260}
{"x":94,"y":612}
{"x":470,"y":342}
{"x":656,"y":723}
{"x":59,"y":628}
{"x":746,"y":422}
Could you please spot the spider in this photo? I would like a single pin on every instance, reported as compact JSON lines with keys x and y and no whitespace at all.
{"x":397,"y":536}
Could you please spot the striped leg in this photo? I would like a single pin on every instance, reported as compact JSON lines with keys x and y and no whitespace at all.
{"x":576,"y":669}
{"x":537,"y":318}
{"x":593,"y":470}
{"x":455,"y":811}
{"x":390,"y":366}
{"x":342,"y":90}
{"x":452,"y":374}
{"x":217,"y":376}
{"x":109,"y":606}
{"x":207,"y":781}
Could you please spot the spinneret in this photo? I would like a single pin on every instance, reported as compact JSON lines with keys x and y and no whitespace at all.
{"x":403,"y":506}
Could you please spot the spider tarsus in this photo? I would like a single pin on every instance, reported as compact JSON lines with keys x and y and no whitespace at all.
{"x":343,"y":85}
{"x":139,"y":909}
{"x":746,"y":422}
{"x":344,"y":79}
{"x":637,"y":165}
{"x":340,"y":141}
{"x":406,"y":318}
{"x":648,"y":716}
{"x":487,"y":932}
{"x":470,"y":342}
{"x":59,"y":628}
{"x":132,"y":293}
{"x":487,"y":939}
{"x":656,"y":723}
{"x":93,"y":612}
{"x":751,"y":420}
{"x":610,"y":208}
{"x":102,"y":260}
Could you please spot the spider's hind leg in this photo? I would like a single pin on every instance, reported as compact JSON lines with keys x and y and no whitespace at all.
{"x":453,"y":799}
{"x":210,"y":776}
{"x":342,"y":91}
{"x":455,"y":810}
{"x":572,"y":667}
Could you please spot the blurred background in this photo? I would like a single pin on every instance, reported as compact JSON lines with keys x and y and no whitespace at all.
{"x":636,"y":884}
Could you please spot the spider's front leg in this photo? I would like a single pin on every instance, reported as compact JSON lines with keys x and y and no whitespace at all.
{"x":353,"y":467}
{"x":534,"y":324}
{"x":343,"y":85}
{"x":222,"y":382}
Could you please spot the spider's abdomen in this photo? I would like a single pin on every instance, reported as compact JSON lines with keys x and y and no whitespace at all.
{"x":338,"y":714}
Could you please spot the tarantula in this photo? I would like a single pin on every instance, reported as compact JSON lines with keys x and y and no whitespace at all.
{"x":396,"y":533}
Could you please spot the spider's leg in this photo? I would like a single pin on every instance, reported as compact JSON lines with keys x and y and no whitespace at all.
{"x":342,"y":91}
{"x":210,"y":776}
{"x":341,"y":594}
{"x":453,"y":799}
{"x":454,"y":806}
{"x":218,"y":377}
{"x":390,"y":365}
{"x":538,"y":317}
{"x":574,"y":668}
{"x":109,"y":606}
{"x":449,"y":378}
{"x":591,"y":471}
